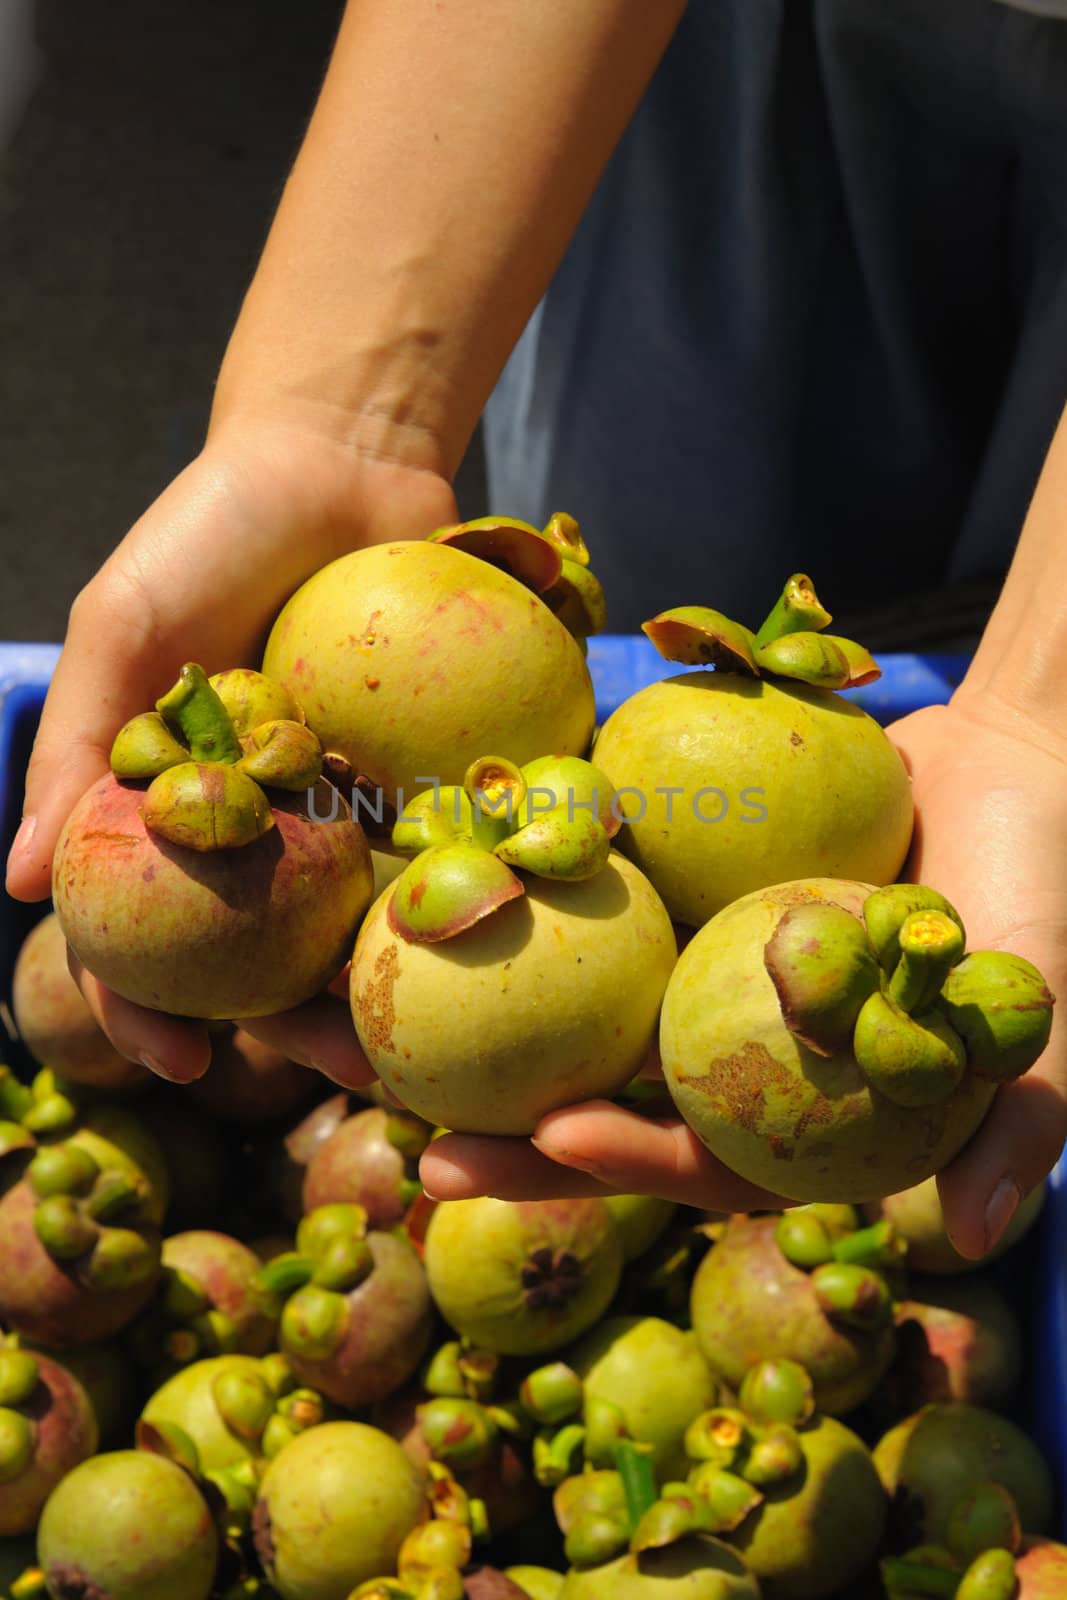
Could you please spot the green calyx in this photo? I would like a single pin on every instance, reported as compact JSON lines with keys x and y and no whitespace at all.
{"x":755,"y":1445}
{"x":790,"y":643}
{"x":552,"y":1394}
{"x":985,"y":1518}
{"x":461,"y":1433}
{"x":899,"y":991}
{"x":721,"y":1437}
{"x":777,"y":1391}
{"x":553,"y":818}
{"x":857,"y":1296}
{"x":17,"y":1440}
{"x":808,"y":1239}
{"x":595,"y":1514}
{"x":557,"y":1455}
{"x":41,"y":1109}
{"x":19,"y":1374}
{"x":210,"y":750}
{"x":991,"y":1576}
{"x":307,"y":1286}
{"x":183,"y":1322}
{"x":245,"y":1402}
{"x":432,"y":1546}
{"x":552,"y":561}
{"x":92,"y":1217}
{"x":461,"y":1372}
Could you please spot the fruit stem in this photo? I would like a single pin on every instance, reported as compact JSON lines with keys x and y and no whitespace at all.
{"x":880,"y":1245}
{"x":931,"y":944}
{"x":194,"y":709}
{"x":797,"y":610}
{"x":284,"y":1274}
{"x":638,"y":1480}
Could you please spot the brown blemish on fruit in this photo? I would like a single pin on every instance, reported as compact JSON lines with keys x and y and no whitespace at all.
{"x":795,"y":739}
{"x":69,"y":1582}
{"x":779,"y":1149}
{"x":375,"y":1001}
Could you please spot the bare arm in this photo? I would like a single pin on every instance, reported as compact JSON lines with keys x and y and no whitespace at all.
{"x":450,"y":156}
{"x":452,"y":152}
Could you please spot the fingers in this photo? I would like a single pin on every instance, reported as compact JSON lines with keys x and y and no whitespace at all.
{"x":319,"y":1035}
{"x":98,"y":685}
{"x":461,"y":1166}
{"x":1015,"y":1148}
{"x":597,"y":1148}
{"x":634,"y":1154}
{"x":174,"y":1049}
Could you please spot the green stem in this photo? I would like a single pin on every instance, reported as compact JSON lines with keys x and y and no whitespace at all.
{"x":284,"y":1274}
{"x":638,"y":1480}
{"x":797,"y":610}
{"x":931,"y":944}
{"x":880,"y":1245}
{"x":194,"y":709}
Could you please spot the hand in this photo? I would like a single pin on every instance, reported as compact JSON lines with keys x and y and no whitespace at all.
{"x":991,"y":795}
{"x":992,"y":837}
{"x":200,"y":578}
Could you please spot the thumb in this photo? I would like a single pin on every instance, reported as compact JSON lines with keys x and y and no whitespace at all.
{"x":98,"y":685}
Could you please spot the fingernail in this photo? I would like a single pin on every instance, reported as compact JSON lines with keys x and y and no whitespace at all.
{"x":1002,"y":1206}
{"x":24,"y":838}
{"x":154,"y":1064}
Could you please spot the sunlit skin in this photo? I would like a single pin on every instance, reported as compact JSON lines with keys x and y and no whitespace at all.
{"x":374,"y":329}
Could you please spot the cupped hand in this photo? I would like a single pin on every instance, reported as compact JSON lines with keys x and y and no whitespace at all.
{"x":991,"y":802}
{"x":200,"y":578}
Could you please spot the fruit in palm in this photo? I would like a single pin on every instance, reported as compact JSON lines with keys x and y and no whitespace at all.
{"x":355,"y":1308}
{"x":931,"y":1460}
{"x":129,"y":1526}
{"x":334,"y":1507}
{"x":829,"y":1041}
{"x":522,"y":1277}
{"x":757,"y":772}
{"x":550,"y":954}
{"x":917,"y":1216}
{"x":54,"y":1022}
{"x":412,"y":658}
{"x":47,"y":1426}
{"x":646,"y":1377}
{"x":370,"y":1161}
{"x":750,"y":1303}
{"x":214,"y":892}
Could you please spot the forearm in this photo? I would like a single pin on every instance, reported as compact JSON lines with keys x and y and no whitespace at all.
{"x":1018,"y":669}
{"x":453,"y":149}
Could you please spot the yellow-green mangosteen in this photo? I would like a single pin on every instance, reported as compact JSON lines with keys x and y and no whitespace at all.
{"x":756,"y":772}
{"x":830,"y":1041}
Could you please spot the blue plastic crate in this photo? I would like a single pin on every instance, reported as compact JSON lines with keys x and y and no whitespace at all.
{"x":1034,"y":1274}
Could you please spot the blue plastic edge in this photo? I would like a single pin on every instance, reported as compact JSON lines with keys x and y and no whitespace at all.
{"x":621,"y":665}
